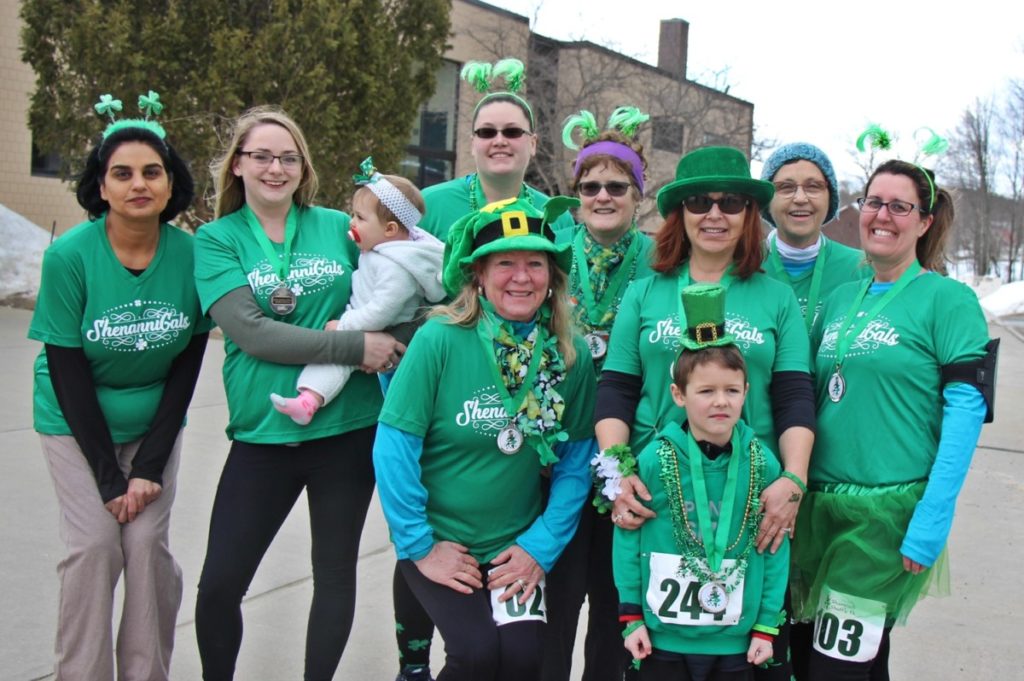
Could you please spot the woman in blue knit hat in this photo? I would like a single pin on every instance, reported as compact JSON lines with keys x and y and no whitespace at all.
{"x":798,"y":254}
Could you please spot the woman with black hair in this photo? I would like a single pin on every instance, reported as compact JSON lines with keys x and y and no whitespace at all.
{"x":123,"y":343}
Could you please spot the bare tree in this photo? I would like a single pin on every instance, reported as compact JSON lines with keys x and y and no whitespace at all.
{"x":972,"y":151}
{"x":1012,"y":132}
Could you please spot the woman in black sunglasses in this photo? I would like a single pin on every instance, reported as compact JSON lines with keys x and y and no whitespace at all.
{"x":608,"y":253}
{"x":712,"y":233}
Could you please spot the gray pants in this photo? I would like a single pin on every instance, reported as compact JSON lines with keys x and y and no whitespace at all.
{"x":99,"y":550}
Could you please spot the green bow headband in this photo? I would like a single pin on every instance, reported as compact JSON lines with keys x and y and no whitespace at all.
{"x":150,"y":106}
{"x":934,"y":144}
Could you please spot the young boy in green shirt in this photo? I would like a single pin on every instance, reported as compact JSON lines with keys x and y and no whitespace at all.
{"x":698,"y":601}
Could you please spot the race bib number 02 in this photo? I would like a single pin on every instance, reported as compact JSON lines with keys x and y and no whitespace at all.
{"x":848,"y":627}
{"x":674,"y":599}
{"x":512,"y":611}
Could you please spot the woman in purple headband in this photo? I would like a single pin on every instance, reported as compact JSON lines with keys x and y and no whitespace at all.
{"x":608,"y":253}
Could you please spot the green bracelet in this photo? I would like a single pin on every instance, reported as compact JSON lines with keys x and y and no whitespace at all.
{"x":796,"y":481}
{"x":631,"y":627}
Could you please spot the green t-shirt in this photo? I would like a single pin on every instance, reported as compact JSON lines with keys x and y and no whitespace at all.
{"x":766,"y":575}
{"x":323,"y":259}
{"x":885,"y":429}
{"x":842,"y":264}
{"x":131,"y":328}
{"x":449,"y":201}
{"x":760,"y":312}
{"x":444,"y":392}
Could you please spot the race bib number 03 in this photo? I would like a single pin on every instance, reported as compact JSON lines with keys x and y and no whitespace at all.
{"x":512,"y":611}
{"x":675,"y":599}
{"x":848,"y":627}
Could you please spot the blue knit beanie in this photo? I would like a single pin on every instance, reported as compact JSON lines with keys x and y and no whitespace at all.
{"x":802,"y":151}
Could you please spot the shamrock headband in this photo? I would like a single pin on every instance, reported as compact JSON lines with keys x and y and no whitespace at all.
{"x":388,"y":194}
{"x":625,"y":119}
{"x":482,"y":76}
{"x":878,"y":138}
{"x":149,"y":104}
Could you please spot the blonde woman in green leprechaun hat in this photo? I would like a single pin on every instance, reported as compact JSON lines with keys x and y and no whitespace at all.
{"x":696,"y":599}
{"x":494,"y":390}
{"x":712,"y":234}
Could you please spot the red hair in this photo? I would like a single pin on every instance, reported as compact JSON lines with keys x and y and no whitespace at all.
{"x":672,"y":247}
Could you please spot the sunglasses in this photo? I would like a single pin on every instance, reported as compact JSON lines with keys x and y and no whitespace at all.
{"x":616,"y":189}
{"x":512,"y":133}
{"x":729,"y":204}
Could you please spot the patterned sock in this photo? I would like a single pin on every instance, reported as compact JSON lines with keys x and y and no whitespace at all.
{"x":300,"y":409}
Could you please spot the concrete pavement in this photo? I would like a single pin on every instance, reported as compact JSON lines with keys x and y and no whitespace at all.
{"x":972,"y":635}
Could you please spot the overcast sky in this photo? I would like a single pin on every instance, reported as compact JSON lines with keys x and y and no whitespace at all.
{"x":820,"y":71}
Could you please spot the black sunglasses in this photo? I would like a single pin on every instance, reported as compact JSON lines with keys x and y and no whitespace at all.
{"x":729,"y":204}
{"x":616,"y":189}
{"x":512,"y":133}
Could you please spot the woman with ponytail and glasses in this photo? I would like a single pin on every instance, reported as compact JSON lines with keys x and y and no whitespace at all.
{"x":711,"y":234}
{"x":898,"y":359}
{"x":608,"y":252}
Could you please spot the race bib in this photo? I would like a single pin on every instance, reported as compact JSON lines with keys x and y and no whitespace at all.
{"x":511,"y":611}
{"x":848,"y":627}
{"x":687,"y":601}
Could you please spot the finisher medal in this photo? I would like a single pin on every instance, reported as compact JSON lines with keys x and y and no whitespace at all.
{"x":713,"y":598}
{"x":598,"y":344}
{"x":836,"y":386}
{"x":510,"y":440}
{"x":282,"y":300}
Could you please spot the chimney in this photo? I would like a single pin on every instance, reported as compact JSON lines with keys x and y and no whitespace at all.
{"x":672,"y":47}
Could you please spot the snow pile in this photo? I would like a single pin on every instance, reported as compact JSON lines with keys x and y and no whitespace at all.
{"x":21,"y":256}
{"x":1005,"y":301}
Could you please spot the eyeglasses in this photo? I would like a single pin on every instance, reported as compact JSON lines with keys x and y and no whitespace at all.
{"x":729,"y":204}
{"x":616,"y":189}
{"x":812,"y":189}
{"x":265,"y":158}
{"x":511,"y":133}
{"x":896,"y":207}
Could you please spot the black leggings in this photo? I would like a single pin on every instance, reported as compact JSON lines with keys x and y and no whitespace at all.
{"x":414,"y":629}
{"x":696,"y":668}
{"x":476,"y":649}
{"x":257,"y":489}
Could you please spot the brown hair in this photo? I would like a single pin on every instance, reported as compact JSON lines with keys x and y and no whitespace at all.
{"x":465,"y":310}
{"x":230,"y":192}
{"x":592,"y":162}
{"x":931,"y":246}
{"x":725,"y":356}
{"x":672,"y":246}
{"x":408,"y":190}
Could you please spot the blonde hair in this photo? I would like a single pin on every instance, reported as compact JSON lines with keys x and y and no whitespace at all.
{"x":409,"y":191}
{"x":466,"y":310}
{"x":230,"y":192}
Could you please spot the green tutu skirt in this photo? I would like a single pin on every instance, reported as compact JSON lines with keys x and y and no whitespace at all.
{"x":848,"y":539}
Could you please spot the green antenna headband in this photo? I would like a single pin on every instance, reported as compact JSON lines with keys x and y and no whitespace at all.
{"x":934,"y":144}
{"x":482,"y":76}
{"x":150,"y":106}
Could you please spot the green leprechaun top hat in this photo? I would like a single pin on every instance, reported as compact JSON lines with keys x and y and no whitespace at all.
{"x":704,"y":307}
{"x":713,"y":169}
{"x":509,"y":225}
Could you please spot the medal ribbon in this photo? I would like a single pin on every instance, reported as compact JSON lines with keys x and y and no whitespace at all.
{"x":282,"y":263}
{"x":819,"y":269}
{"x":714,"y":549}
{"x":846,"y":338}
{"x":683,"y":280}
{"x":595,"y":310}
{"x":486,"y":330}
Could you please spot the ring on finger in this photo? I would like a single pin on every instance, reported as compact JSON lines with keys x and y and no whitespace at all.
{"x":617,"y":517}
{"x":521,"y":583}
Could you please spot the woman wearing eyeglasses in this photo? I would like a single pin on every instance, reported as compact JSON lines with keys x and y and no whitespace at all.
{"x":712,"y":234}
{"x":608,"y":253}
{"x":897,"y":364}
{"x":272,"y":270}
{"x":806,"y":197}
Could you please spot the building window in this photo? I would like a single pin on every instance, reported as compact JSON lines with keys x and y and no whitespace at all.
{"x":43,"y":164}
{"x":667,"y":134}
{"x":430,"y":154}
{"x":712,"y":139}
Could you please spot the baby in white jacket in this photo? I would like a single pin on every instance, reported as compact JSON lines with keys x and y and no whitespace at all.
{"x":399,"y":268}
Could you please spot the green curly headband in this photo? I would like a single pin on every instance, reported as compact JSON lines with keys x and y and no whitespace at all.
{"x":149,"y":105}
{"x":877,"y":137}
{"x":625,"y":119}
{"x":482,"y":76}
